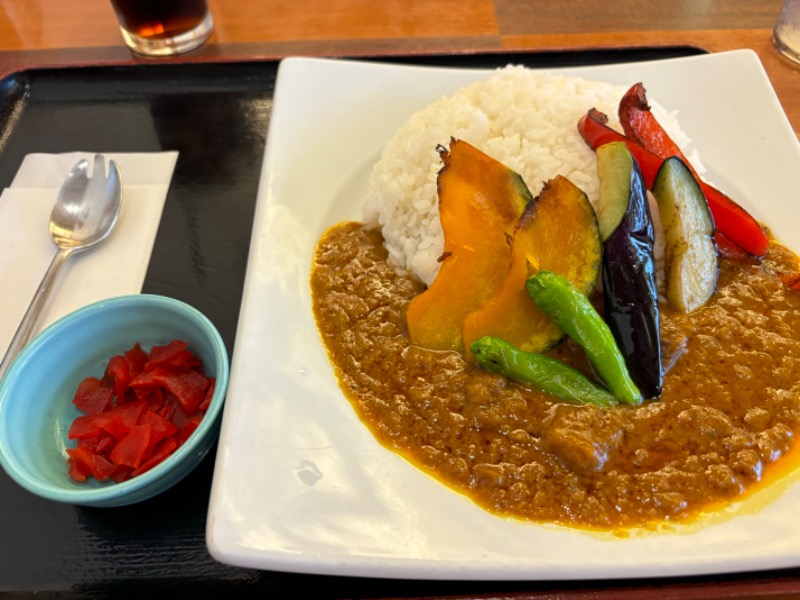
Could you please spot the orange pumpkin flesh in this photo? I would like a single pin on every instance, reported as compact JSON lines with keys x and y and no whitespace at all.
{"x":557,"y":232}
{"x":480,"y":200}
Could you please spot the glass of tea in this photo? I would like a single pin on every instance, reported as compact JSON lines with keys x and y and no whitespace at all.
{"x":163,"y":27}
{"x":786,"y":35}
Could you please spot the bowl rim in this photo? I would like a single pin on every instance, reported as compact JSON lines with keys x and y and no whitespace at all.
{"x":115,"y":491}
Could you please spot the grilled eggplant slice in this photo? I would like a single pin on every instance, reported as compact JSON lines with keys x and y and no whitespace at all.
{"x":630,"y":293}
{"x":614,"y":165}
{"x":691,"y":259}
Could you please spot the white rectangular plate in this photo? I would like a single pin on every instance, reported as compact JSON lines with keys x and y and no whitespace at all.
{"x":301,"y":485}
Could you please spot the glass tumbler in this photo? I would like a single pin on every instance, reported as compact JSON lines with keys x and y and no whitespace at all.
{"x":786,"y":34}
{"x":163,"y":27}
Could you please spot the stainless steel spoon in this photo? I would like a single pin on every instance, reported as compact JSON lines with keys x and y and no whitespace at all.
{"x":84,"y":214}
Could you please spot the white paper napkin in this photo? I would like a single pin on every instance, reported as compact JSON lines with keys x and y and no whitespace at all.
{"x":115,"y":267}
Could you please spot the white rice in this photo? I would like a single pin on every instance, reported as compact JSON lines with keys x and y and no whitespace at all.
{"x":525,"y":119}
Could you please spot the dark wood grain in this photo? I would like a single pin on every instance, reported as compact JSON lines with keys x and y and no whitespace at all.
{"x":579,"y":16}
{"x":42,"y":24}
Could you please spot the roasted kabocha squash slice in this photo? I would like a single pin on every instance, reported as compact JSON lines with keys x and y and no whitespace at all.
{"x":480,"y":201}
{"x":558,"y":232}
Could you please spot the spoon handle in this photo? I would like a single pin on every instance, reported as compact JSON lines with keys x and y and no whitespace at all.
{"x":28,"y":323}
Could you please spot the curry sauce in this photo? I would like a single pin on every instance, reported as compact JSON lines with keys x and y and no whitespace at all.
{"x":730,"y":406}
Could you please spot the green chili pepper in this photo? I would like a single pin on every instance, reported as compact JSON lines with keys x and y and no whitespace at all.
{"x":575,"y":315}
{"x":543,"y":372}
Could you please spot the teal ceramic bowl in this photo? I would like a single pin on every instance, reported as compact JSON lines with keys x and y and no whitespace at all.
{"x":36,"y":393}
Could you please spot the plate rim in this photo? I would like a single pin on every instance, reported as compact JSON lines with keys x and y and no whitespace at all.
{"x":225,"y":548}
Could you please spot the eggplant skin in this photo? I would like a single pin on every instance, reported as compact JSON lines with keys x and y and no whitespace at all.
{"x":691,"y":259}
{"x":630,"y":293}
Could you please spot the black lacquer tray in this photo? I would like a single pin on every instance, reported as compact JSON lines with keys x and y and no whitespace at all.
{"x":216,"y":115}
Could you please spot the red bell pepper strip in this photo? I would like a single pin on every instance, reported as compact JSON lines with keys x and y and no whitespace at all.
{"x":640,"y":125}
{"x":596,"y":133}
{"x":730,"y":219}
{"x":730,"y":251}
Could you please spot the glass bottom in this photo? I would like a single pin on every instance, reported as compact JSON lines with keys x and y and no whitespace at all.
{"x":172,"y":45}
{"x":780,"y":39}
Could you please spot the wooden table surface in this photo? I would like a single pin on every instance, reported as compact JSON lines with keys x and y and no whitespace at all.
{"x":37,"y":33}
{"x":56,"y":32}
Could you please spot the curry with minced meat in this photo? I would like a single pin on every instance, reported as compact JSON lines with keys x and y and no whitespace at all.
{"x":730,"y":407}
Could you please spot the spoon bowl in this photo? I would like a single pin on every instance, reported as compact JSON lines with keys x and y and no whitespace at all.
{"x":84,"y":214}
{"x":87,"y":208}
